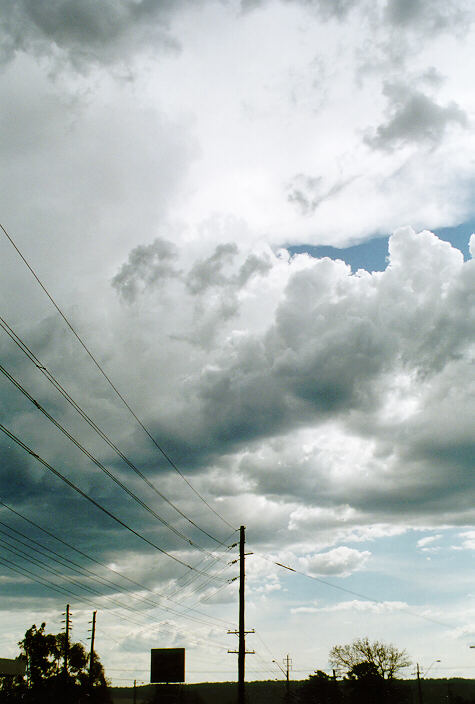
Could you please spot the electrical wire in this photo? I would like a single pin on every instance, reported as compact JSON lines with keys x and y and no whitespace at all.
{"x":117,"y":604}
{"x":99,"y":464}
{"x":111,"y":384}
{"x":350,"y":591}
{"x":51,"y":378}
{"x":96,"y":578}
{"x":32,"y":576}
{"x":115,"y":518}
{"x":88,"y":557}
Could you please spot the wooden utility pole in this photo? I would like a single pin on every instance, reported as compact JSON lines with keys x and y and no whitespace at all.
{"x":288,"y":664}
{"x":91,"y":656}
{"x":66,"y":644}
{"x":241,"y":632}
{"x":419,"y":686}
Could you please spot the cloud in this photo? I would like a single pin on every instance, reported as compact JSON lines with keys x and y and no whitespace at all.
{"x":319,"y":410}
{"x":326,"y":8}
{"x":433,"y":16}
{"x":340,"y":561}
{"x":414,"y":118}
{"x":156,"y":157}
{"x":307,"y":193}
{"x":468,"y":539}
{"x":148,"y":266}
{"x":423,"y":542}
{"x":366,"y":606}
{"x":88,"y":33}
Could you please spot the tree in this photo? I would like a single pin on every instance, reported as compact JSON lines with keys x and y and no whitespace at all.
{"x":320,"y":688}
{"x":49,"y":680}
{"x":386,"y":658}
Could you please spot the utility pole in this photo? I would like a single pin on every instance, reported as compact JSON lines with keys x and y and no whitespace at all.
{"x":66,"y":643}
{"x":288,"y":665}
{"x":91,"y":656}
{"x":419,"y":686}
{"x":242,"y":652}
{"x":242,"y":635}
{"x":135,"y":691}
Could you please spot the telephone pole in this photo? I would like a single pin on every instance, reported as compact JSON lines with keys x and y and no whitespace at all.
{"x":242,"y":634}
{"x":91,"y":656}
{"x":66,"y":643}
{"x":288,"y":665}
{"x":242,"y":652}
{"x":419,"y":686}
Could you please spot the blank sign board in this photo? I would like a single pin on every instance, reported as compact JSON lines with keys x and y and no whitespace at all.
{"x":12,"y":667}
{"x":167,"y":665}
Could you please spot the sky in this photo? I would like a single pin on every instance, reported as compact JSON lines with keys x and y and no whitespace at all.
{"x":257,"y":217}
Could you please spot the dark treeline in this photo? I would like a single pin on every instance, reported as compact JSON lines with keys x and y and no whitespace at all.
{"x":437,"y":691}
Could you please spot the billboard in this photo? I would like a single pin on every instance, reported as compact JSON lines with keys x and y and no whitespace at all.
{"x":167,"y":665}
{"x":12,"y":667}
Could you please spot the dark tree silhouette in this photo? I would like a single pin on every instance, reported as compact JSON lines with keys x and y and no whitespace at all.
{"x":386,"y":658}
{"x":320,"y":688}
{"x":47,"y":678}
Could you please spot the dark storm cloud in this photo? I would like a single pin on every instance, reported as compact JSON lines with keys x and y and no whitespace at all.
{"x":414,"y":118}
{"x":87,"y":32}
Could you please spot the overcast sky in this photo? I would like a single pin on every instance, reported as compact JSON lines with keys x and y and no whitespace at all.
{"x":257,"y":216}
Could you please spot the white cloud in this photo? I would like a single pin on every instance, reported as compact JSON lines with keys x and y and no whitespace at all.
{"x":468,"y":541}
{"x":340,"y":561}
{"x":371,"y":606}
{"x":423,"y":542}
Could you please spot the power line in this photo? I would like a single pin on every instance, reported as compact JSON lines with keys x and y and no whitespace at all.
{"x":32,"y":576}
{"x":95,"y":461}
{"x":35,"y":578}
{"x":126,"y":607}
{"x":88,"y":557}
{"x":111,"y":384}
{"x":353,"y":593}
{"x":115,"y":518}
{"x":51,"y":378}
{"x":83,"y":571}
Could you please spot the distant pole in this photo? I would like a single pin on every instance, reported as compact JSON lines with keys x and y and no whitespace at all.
{"x":419,"y":686}
{"x":66,"y":644}
{"x":135,"y":691}
{"x":242,"y":634}
{"x":91,"y":656}
{"x":287,"y":676}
